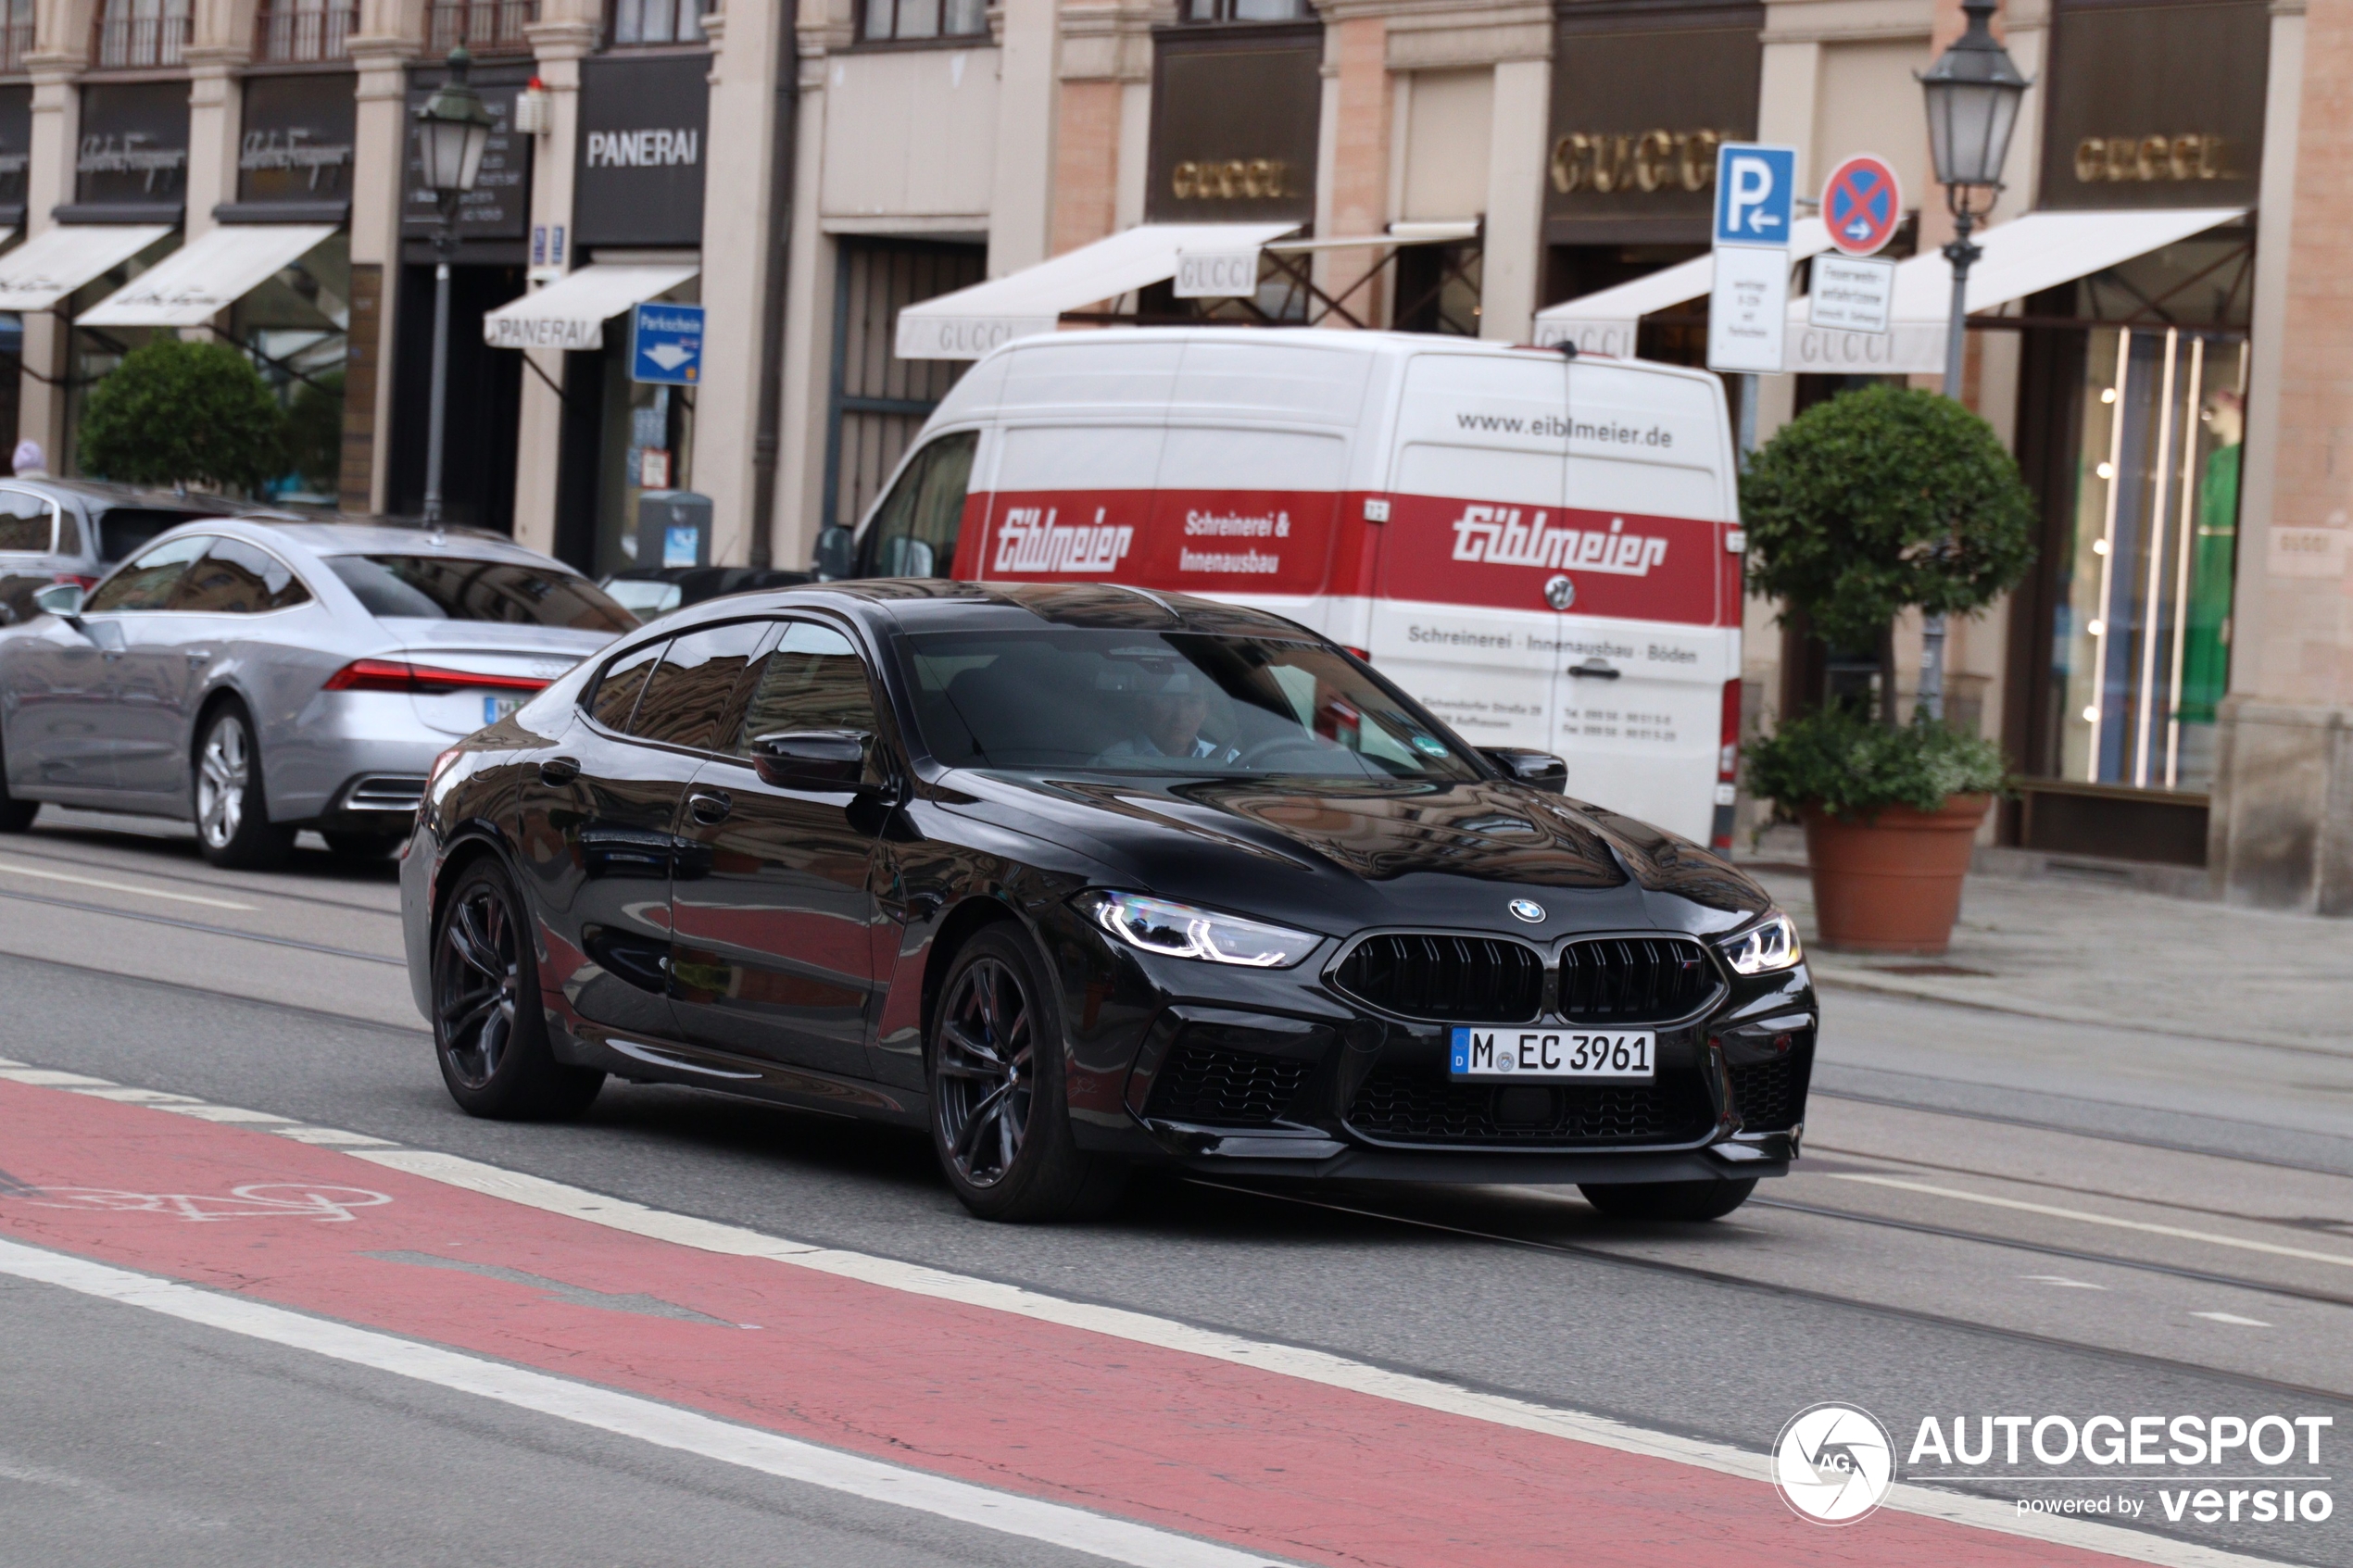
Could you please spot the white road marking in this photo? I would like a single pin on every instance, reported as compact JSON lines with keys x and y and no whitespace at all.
{"x":1289,"y":1361}
{"x":1117,"y":1541}
{"x":2275,"y":1248}
{"x":2062,"y":1281}
{"x":1311,"y":1366}
{"x":17,"y":868}
{"x":51,"y":1078}
{"x":2232,"y":1318}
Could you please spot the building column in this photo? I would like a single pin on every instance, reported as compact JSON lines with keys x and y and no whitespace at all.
{"x":379,"y":154}
{"x":809,"y":311}
{"x":215,"y":117}
{"x":557,"y":47}
{"x":1512,"y":252}
{"x":736,"y":263}
{"x":1021,"y":211}
{"x":1105,"y":55}
{"x":49,"y":180}
{"x":1357,"y":101}
{"x":2281,"y":830}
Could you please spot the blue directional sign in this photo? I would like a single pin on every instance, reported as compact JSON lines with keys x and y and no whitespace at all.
{"x":1755,"y":188}
{"x":665,"y":344}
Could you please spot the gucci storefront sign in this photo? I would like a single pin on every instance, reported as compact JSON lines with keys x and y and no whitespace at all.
{"x":2195,"y":156}
{"x":1253,"y":179}
{"x":1235,"y":115}
{"x":1607,"y":161}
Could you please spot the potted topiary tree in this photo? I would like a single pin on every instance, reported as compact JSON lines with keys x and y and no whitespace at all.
{"x":1861,"y":508}
{"x":183,"y":413}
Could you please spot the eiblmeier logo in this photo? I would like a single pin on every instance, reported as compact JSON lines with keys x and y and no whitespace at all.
{"x":1833,"y":1464}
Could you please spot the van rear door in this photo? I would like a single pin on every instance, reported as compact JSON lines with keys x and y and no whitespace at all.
{"x":1552,"y":574}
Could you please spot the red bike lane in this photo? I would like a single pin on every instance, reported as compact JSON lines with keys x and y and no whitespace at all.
{"x":1231,"y":1453}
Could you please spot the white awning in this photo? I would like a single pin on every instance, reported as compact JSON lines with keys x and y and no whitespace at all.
{"x":1397,"y":234}
{"x":2023,"y":257}
{"x":1605,"y":322}
{"x":54,"y":263}
{"x":202,"y":279}
{"x":570,"y":312}
{"x":968,"y":323}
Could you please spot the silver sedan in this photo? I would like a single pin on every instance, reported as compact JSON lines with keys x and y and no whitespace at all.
{"x":256,"y":677}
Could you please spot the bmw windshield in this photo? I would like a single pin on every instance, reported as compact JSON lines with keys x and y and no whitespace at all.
{"x":1188,"y":703}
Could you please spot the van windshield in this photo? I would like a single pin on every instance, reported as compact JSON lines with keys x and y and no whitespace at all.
{"x":1177,"y":702}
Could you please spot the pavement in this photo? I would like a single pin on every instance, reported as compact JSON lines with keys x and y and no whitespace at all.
{"x":2076,"y":952}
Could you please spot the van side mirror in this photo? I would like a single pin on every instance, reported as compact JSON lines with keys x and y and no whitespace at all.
{"x":60,"y":599}
{"x":835,"y":556}
{"x":1541,"y":770}
{"x":813,"y":759}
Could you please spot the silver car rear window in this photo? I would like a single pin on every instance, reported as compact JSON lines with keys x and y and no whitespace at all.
{"x":457,"y":588}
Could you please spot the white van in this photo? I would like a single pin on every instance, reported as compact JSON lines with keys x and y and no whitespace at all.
{"x":1545,"y":552}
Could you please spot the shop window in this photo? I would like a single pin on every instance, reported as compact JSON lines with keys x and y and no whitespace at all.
{"x":907,"y":21}
{"x":484,"y":27}
{"x":879,"y":400}
{"x":1245,"y":10}
{"x":140,"y":32}
{"x":294,"y":327}
{"x":1437,"y":289}
{"x":286,"y":31}
{"x":16,"y":36}
{"x":658,"y":21}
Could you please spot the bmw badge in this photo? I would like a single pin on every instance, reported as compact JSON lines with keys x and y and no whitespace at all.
{"x":1527,"y":910}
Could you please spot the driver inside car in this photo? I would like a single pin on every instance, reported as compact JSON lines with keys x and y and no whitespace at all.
{"x":1172,"y":705}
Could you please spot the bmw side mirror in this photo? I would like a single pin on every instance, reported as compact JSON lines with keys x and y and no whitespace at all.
{"x":835,"y":557}
{"x":60,"y":599}
{"x":813,"y":759}
{"x":1539,"y":770}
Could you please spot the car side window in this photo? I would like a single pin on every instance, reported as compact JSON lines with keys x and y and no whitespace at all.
{"x":812,"y":679}
{"x":914,"y":531}
{"x":148,"y":583}
{"x":615,"y":697}
{"x":27,"y":525}
{"x":692,"y":692}
{"x":237,"y":578}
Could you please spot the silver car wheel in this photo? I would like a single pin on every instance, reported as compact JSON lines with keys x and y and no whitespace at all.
{"x":224,"y":768}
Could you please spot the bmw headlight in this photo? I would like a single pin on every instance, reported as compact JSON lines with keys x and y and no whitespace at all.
{"x":1180,"y":931}
{"x":1771,"y":943}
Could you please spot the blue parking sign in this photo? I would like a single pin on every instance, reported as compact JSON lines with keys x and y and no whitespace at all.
{"x":665,"y":344}
{"x":1755,"y":189}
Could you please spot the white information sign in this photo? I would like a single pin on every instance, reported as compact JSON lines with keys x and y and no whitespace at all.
{"x":1748,"y":309}
{"x":1852,"y":293}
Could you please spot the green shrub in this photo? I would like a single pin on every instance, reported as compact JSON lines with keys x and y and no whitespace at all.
{"x":183,"y":413}
{"x":1881,"y":500}
{"x":1850,"y":767}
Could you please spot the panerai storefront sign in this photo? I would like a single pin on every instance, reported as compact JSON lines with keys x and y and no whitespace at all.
{"x":1643,"y":95}
{"x":2156,"y":104}
{"x":644,"y":151}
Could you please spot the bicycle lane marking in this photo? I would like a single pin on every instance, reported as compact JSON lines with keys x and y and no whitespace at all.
{"x":1169,"y":1440}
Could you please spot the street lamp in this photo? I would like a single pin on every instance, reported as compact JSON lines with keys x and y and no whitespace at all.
{"x":452,"y":130}
{"x":1973,"y":91}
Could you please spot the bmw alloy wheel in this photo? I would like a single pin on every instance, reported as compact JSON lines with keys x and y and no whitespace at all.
{"x":987,"y":1071}
{"x":475,"y":1001}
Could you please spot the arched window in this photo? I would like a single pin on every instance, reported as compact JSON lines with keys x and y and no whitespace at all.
{"x":142,"y":33}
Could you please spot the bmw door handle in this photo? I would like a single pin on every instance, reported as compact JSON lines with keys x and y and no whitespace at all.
{"x":709,"y":806}
{"x":557,"y":771}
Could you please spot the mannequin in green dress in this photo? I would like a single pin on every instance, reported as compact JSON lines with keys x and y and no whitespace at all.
{"x":2206,"y":651}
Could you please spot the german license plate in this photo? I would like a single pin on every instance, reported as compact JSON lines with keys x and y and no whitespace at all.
{"x":496,"y":708}
{"x":1495,"y":1054}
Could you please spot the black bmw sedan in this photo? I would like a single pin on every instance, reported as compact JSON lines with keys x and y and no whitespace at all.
{"x":1079,"y":878}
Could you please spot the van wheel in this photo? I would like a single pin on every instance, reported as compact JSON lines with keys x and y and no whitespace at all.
{"x":233,"y":827}
{"x":1000,"y":1113}
{"x":1668,"y":1201}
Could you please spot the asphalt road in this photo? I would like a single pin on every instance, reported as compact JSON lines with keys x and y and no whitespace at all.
{"x":1997,"y":1216}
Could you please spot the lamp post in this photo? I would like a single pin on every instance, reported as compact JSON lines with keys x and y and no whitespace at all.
{"x":1973,"y":91}
{"x":452,"y":128}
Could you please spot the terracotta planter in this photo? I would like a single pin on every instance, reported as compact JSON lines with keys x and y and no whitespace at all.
{"x":1892,"y":884}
